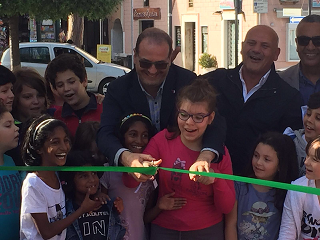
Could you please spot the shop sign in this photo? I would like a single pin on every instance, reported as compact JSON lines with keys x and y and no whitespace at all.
{"x":295,"y":19}
{"x":260,"y":6}
{"x":316,"y":3}
{"x":146,"y":13}
{"x":104,"y":53}
{"x":226,"y":4}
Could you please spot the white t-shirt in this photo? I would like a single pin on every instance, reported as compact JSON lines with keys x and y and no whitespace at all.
{"x":38,"y":197}
{"x":295,"y":205}
{"x":310,"y":223}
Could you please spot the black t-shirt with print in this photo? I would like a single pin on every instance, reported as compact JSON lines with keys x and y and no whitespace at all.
{"x":94,"y":225}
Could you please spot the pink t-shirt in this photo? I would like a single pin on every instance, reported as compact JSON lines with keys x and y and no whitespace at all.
{"x":206,"y":204}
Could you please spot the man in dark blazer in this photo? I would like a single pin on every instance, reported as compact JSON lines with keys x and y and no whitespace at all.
{"x":253,"y":98}
{"x":150,"y":89}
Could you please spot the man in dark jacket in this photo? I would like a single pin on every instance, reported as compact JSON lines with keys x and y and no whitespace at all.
{"x":150,"y":89}
{"x":253,"y":98}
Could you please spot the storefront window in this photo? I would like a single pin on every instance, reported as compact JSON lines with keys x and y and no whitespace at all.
{"x":204,"y":39}
{"x":292,"y":55}
{"x":178,"y":35}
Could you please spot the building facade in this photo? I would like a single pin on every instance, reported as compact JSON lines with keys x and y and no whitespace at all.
{"x":200,"y":26}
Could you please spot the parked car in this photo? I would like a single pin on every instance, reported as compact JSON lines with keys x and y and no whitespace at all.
{"x":39,"y":54}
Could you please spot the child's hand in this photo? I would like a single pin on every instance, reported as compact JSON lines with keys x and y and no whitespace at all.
{"x":89,"y":205}
{"x":167,"y":202}
{"x":208,"y":180}
{"x":102,"y":197}
{"x":202,"y":164}
{"x":99,"y":98}
{"x":118,"y":204}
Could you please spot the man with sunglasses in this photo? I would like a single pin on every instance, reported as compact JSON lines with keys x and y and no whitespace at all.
{"x":253,"y":98}
{"x":304,"y":76}
{"x":150,"y":89}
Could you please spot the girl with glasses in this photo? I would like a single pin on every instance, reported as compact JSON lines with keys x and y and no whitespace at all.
{"x":200,"y":215}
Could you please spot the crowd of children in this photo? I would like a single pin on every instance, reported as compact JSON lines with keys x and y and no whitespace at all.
{"x":113,"y":205}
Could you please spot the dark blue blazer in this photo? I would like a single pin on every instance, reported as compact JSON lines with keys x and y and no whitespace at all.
{"x":124,"y":96}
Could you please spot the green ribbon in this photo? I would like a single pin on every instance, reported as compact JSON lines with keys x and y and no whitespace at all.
{"x":153,"y":170}
{"x":144,"y":170}
{"x":268,"y":183}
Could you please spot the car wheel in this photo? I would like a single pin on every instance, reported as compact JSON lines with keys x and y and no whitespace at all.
{"x":102,"y":89}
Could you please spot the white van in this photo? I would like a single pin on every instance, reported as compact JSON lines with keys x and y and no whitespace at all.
{"x":38,"y":54}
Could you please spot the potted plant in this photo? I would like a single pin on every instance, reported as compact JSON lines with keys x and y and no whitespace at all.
{"x":208,"y":62}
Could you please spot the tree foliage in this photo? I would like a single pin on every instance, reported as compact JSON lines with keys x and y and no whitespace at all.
{"x":56,"y":9}
{"x":50,"y":9}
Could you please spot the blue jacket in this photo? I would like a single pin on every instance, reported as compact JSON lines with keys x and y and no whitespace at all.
{"x":115,"y":230}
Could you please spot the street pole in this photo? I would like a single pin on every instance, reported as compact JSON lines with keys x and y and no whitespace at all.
{"x":170,"y":18}
{"x":101,"y":31}
{"x":132,"y":34}
{"x":310,"y":7}
{"x":236,"y":29}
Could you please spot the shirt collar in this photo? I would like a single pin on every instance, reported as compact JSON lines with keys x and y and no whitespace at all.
{"x":67,"y":110}
{"x":262,"y":80}
{"x":159,"y":91}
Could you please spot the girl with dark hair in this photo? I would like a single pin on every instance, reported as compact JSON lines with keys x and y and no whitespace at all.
{"x":130,"y":133}
{"x":75,"y":186}
{"x":134,"y":131}
{"x":85,"y":139}
{"x":43,"y":212}
{"x":301,"y":211}
{"x":258,"y":209}
{"x":29,"y":102}
{"x":30,"y":95}
{"x":201,"y":217}
{"x":10,"y":179}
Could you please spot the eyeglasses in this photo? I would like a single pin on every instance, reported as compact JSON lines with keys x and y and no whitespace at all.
{"x":197,"y":118}
{"x":160,"y":65}
{"x":304,"y":40}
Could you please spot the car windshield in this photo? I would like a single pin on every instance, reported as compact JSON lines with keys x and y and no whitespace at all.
{"x":84,"y":53}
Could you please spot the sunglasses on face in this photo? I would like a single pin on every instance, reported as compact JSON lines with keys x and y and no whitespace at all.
{"x":304,"y":40}
{"x":160,"y":65}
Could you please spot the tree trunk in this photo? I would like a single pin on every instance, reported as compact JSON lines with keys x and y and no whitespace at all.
{"x":14,"y":42}
{"x":75,"y":29}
